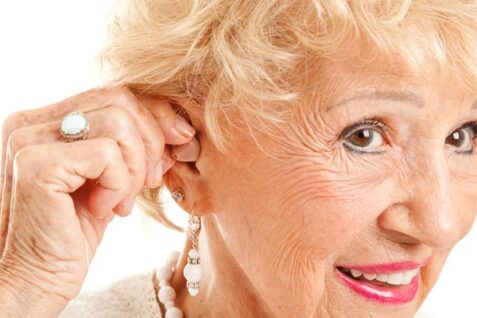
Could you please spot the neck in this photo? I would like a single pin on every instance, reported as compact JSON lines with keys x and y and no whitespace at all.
{"x":225,"y":290}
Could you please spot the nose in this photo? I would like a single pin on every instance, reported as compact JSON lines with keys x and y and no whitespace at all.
{"x":429,"y":211}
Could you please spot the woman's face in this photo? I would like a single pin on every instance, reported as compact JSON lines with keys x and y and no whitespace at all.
{"x":391,"y":195}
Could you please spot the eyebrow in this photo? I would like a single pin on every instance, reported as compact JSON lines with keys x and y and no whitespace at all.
{"x":399,"y":96}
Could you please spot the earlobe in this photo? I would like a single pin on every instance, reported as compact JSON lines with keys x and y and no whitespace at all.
{"x":189,"y":204}
{"x":188,"y":188}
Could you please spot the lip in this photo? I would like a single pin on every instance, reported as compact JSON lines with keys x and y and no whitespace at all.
{"x":388,"y":295}
{"x":394,"y":295}
{"x":388,"y":267}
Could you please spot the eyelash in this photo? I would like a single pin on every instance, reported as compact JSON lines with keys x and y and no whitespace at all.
{"x":373,"y":121}
{"x":473,"y":125}
{"x":377,"y":122}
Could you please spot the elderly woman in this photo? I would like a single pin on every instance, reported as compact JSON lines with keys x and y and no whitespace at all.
{"x":324,"y":150}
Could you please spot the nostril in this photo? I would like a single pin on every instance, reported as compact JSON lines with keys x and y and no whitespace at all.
{"x":401,"y":238}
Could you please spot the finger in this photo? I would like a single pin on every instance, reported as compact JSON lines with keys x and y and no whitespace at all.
{"x":92,"y":227}
{"x":176,"y":129}
{"x":167,"y":160}
{"x":5,"y":204}
{"x":62,"y":168}
{"x":46,"y":178}
{"x":94,"y":99}
{"x":112,"y":122}
{"x":88,"y":100}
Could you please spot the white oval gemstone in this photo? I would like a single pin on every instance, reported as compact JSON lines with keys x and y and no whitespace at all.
{"x":193,"y":253}
{"x":73,"y":124}
{"x":193,"y":272}
{"x":169,"y":304}
{"x":164,"y":273}
{"x":174,"y":312}
{"x":193,"y":291}
{"x":166,"y":293}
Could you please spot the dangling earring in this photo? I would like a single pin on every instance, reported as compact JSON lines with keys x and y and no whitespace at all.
{"x":178,"y":195}
{"x":193,"y":270}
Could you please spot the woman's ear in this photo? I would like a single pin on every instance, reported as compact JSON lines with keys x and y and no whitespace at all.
{"x":187,"y":173}
{"x":194,"y":183}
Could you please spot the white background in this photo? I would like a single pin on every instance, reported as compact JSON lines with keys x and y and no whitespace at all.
{"x":47,"y":53}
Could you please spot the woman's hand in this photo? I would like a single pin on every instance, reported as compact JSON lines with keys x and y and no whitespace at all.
{"x":58,"y":197}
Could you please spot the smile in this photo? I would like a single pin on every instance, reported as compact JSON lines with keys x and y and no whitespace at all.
{"x":395,"y":279}
{"x":394,"y":283}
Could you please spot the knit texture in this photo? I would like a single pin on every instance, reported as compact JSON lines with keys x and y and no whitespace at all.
{"x":131,"y":296}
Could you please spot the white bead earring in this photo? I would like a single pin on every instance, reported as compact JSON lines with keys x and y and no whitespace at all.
{"x":193,"y":270}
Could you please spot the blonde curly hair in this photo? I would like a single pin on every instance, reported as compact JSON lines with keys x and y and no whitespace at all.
{"x":235,"y":57}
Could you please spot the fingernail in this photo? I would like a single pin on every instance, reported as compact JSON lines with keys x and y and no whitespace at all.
{"x":186,"y":152}
{"x":183,"y":127}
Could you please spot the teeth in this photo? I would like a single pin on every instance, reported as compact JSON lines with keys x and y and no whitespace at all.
{"x":356,"y":273}
{"x":395,"y":278}
{"x":399,"y":278}
{"x":382,"y":277}
{"x":370,"y":276}
{"x":408,"y":276}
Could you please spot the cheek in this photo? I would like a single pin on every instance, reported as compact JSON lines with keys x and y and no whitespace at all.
{"x":328,"y":205}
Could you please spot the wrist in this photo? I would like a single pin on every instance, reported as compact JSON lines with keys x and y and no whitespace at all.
{"x":20,"y":298}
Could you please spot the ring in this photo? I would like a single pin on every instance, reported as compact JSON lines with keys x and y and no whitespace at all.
{"x":74,"y":126}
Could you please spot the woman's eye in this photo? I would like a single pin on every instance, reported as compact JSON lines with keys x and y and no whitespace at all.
{"x":364,"y":139}
{"x":463,"y":138}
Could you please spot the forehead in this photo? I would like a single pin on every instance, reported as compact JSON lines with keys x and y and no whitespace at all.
{"x":378,"y":74}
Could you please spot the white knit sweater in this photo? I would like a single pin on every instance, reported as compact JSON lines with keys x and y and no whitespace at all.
{"x":133,"y":296}
{"x":130,"y":297}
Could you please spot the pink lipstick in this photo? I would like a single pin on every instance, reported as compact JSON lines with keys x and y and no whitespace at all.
{"x":392,"y":283}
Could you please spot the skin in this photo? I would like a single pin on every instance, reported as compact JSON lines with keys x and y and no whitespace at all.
{"x":291,"y":214}
{"x":271,"y":248}
{"x":58,"y":198}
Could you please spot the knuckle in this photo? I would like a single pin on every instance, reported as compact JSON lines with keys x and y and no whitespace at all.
{"x":118,"y":90}
{"x":164,"y":110}
{"x":16,"y":141}
{"x":125,"y":97}
{"x":110,"y":148}
{"x":156,"y":144}
{"x":120,"y":118}
{"x":129,"y":184}
{"x":11,"y":123}
{"x":23,"y":160}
